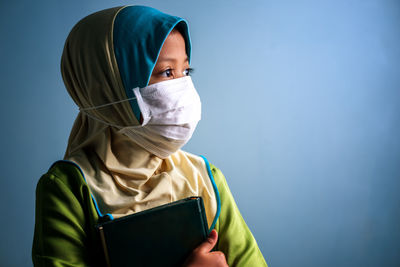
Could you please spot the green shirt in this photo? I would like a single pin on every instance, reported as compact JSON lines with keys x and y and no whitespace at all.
{"x":66,"y":216}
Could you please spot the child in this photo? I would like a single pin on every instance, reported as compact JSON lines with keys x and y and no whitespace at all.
{"x":127,"y":68}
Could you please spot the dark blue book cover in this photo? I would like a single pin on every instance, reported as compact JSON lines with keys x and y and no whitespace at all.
{"x":162,"y":236}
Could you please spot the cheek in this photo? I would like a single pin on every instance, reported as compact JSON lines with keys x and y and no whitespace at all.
{"x":154,"y":79}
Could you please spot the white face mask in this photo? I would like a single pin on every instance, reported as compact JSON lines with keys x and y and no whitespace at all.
{"x":171,"y":110}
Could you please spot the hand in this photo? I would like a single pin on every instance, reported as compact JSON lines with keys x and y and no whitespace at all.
{"x":202,"y":256}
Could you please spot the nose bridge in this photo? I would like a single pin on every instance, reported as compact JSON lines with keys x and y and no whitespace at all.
{"x":179,"y":73}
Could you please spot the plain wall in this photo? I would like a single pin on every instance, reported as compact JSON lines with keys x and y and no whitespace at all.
{"x":301,"y":112}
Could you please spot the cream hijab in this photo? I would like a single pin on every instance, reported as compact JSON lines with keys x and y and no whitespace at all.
{"x":124,"y":177}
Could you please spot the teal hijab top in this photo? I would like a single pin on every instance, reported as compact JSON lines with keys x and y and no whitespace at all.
{"x":138,"y":42}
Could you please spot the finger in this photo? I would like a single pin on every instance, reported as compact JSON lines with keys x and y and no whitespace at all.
{"x":208,"y":245}
{"x":219,"y":257}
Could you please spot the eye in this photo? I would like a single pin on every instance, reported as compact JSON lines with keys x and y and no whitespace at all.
{"x":188,"y":71}
{"x":166,"y":73}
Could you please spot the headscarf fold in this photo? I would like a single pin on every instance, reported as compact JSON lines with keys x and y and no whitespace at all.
{"x":106,"y":55}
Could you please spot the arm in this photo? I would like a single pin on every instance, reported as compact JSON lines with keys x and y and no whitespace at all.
{"x":60,"y":236}
{"x":235,"y":239}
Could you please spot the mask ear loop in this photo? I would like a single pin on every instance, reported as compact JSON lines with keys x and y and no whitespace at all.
{"x":84,"y":111}
{"x":108,"y":104}
{"x":100,"y":120}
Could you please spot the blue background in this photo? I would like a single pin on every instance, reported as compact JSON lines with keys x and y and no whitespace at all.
{"x":301,"y":111}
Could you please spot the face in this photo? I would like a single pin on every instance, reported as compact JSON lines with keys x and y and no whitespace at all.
{"x":172,"y":62}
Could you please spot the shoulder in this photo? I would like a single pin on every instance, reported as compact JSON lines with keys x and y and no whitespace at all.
{"x":216,"y":172}
{"x":62,"y":175}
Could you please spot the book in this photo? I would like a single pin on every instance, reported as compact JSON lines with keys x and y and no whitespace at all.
{"x":163,"y":236}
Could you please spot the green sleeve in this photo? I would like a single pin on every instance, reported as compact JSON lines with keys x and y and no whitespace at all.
{"x":64,"y":221}
{"x":235,"y":238}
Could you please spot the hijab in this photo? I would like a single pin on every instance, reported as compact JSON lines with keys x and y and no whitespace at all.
{"x":105,"y":56}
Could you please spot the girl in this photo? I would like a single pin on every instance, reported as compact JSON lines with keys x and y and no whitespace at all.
{"x":127,"y":68}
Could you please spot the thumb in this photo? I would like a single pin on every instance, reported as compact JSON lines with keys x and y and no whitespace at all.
{"x":208,"y":245}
